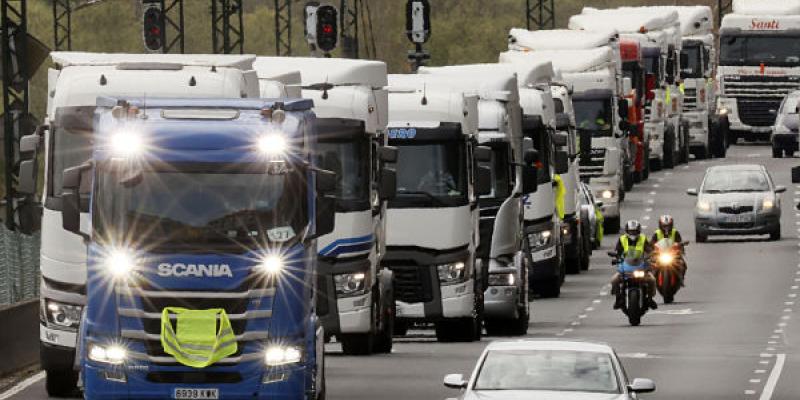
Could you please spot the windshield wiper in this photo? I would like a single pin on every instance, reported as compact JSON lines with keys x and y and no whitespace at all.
{"x":429,"y":195}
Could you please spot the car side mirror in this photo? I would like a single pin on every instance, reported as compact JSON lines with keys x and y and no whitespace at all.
{"x":642,"y":385}
{"x":560,"y":139}
{"x":388,"y":154}
{"x":455,"y":381}
{"x":530,"y":183}
{"x":796,"y":174}
{"x":780,"y":189}
{"x":483,"y":181}
{"x":561,"y":162}
{"x":388,"y":185}
{"x":71,"y":198}
{"x":482,"y":154}
{"x":691,"y":192}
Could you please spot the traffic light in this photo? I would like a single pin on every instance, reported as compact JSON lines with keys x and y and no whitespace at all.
{"x":327,"y":28}
{"x":153,"y":27}
{"x":418,"y":21}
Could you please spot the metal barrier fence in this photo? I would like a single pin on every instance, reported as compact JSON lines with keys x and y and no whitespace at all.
{"x":19,"y":266}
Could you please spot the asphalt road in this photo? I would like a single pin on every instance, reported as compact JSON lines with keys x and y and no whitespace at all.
{"x":730,"y":334}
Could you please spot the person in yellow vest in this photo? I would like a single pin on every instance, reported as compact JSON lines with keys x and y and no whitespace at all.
{"x":634,"y":245}
{"x":666,"y":229}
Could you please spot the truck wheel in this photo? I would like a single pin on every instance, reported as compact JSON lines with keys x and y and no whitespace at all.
{"x":700,"y":237}
{"x":520,"y":325}
{"x":669,"y":151}
{"x":646,"y":166}
{"x":61,"y":383}
{"x":586,"y":255}
{"x":550,"y":289}
{"x":655,"y":165}
{"x":777,"y":151}
{"x":775,"y":234}
{"x":400,"y":327}
{"x":627,"y":180}
{"x":357,"y":344}
{"x":701,"y":153}
{"x":383,"y":340}
{"x":573,"y":263}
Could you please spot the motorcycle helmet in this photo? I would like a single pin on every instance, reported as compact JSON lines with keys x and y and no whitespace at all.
{"x":665,"y":223}
{"x":633,"y":229}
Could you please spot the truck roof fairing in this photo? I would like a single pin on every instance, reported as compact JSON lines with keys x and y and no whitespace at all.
{"x":765,"y":7}
{"x":333,"y":71}
{"x":73,"y":58}
{"x":624,"y":21}
{"x":560,"y":39}
{"x":443,"y":104}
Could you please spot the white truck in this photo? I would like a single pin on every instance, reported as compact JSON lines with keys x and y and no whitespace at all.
{"x":354,"y":296}
{"x":658,"y":32}
{"x":74,"y":84}
{"x":759,"y":64}
{"x":600,"y":117}
{"x":432,"y":224}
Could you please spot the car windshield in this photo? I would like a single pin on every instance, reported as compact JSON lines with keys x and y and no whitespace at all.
{"x":692,"y":65}
{"x":201,"y":207}
{"x":431,"y":172}
{"x":554,"y":370}
{"x":735,"y":181}
{"x":350,"y":161}
{"x":593,"y":115}
{"x":754,"y":50}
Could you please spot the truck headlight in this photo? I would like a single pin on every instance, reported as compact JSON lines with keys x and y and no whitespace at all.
{"x":704,"y":206}
{"x":540,"y":239}
{"x":451,"y":273}
{"x":278,"y":355}
{"x":63,"y":315}
{"x":272,"y":144}
{"x":120,"y":262}
{"x":113,"y":354}
{"x":504,"y":279}
{"x":127,"y":143}
{"x":607,"y":194}
{"x":348,"y":285}
{"x":271,"y":265}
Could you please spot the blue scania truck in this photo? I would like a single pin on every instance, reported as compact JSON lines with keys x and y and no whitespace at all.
{"x":202,"y":234}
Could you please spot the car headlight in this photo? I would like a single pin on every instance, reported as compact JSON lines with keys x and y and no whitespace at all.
{"x":348,"y":285}
{"x":767,"y":204}
{"x":63,"y":315}
{"x":113,"y":354}
{"x":452,"y":273}
{"x":606,"y":194}
{"x":639,"y":273}
{"x":540,"y":239}
{"x":282,"y":355}
{"x":504,"y":279}
{"x":704,"y":206}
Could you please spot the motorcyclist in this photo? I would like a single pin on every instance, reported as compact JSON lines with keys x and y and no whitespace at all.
{"x":634,"y":245}
{"x":666,"y":229}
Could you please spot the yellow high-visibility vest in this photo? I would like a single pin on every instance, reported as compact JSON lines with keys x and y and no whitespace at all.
{"x":195,"y":341}
{"x":672,"y":234}
{"x":561,"y":193}
{"x":638,"y":250}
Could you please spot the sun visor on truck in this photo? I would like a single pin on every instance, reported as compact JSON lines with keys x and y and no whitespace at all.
{"x":445,"y":131}
{"x":76,"y":119}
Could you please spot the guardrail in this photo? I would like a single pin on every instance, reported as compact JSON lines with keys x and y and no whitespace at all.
{"x":19,"y":338}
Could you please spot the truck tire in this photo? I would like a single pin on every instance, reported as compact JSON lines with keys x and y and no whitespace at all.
{"x":775,"y":235}
{"x":61,"y":383}
{"x":383,"y":340}
{"x":549,"y":289}
{"x":646,"y":165}
{"x":669,"y":150}
{"x":357,"y":344}
{"x":777,"y":151}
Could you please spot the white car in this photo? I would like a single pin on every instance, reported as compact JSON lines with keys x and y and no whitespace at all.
{"x":785,"y":132}
{"x":548,"y":369}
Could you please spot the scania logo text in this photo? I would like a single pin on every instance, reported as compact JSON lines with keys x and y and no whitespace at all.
{"x":181,"y":270}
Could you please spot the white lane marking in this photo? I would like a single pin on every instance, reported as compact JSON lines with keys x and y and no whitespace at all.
{"x":765,"y":355}
{"x":772,"y":381}
{"x":670,"y":173}
{"x":589,"y":309}
{"x":655,"y":185}
{"x":652,"y":193}
{"x":770,"y":349}
{"x":651,"y":201}
{"x":582,"y":316}
{"x":772,"y":342}
{"x":575,"y":323}
{"x":786,"y":317}
{"x":792,"y":295}
{"x":685,"y":311}
{"x":764,"y":362}
{"x":787,"y":310}
{"x":795,"y":287}
{"x":598,"y":301}
{"x":775,"y":337}
{"x":755,"y":380}
{"x":646,"y":217}
{"x":778,"y":331}
{"x":750,"y":392}
{"x":14,"y":390}
{"x":650,"y":209}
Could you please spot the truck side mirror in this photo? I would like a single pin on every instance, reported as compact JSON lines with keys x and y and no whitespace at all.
{"x":560,"y":139}
{"x":326,"y":182}
{"x":29,"y":166}
{"x":325,"y":205}
{"x":796,"y":174}
{"x":388,"y":185}
{"x":532,"y":125}
{"x":562,"y":162}
{"x":482,"y":154}
{"x":622,"y":108}
{"x":71,"y":198}
{"x":563,"y":122}
{"x":29,"y":214}
{"x":388,"y":154}
{"x":483,"y":181}
{"x":684,"y":61}
{"x":530,"y":157}
{"x":530,"y":181}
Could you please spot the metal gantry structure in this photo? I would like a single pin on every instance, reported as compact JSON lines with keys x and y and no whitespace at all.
{"x":349,"y":15}
{"x":62,"y":25}
{"x":173,"y":28}
{"x":283,"y":28}
{"x":723,"y":7}
{"x":540,"y":14}
{"x":227,"y":26}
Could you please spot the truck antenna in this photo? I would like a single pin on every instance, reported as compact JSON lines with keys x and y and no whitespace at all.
{"x":424,"y":94}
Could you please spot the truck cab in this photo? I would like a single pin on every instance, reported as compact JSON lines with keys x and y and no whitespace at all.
{"x":634,"y":91}
{"x":351,"y":105}
{"x":74,"y":83}
{"x":202,"y":235}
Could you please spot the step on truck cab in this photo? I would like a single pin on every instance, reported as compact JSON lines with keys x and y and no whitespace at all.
{"x":432,"y":224}
{"x":758,"y":64}
{"x":203,"y":219}
{"x":600,"y":116}
{"x":351,"y":104}
{"x":74,"y":82}
{"x":658,"y":32}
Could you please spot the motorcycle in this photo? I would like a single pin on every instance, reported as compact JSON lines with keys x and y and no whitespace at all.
{"x":669,"y":267}
{"x":633,"y":287}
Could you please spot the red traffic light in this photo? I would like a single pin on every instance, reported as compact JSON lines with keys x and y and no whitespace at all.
{"x":327,"y":29}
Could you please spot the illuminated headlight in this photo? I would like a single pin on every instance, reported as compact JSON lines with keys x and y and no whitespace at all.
{"x":723,"y":111}
{"x":63,"y":315}
{"x":113,"y":354}
{"x":282,"y":355}
{"x":704,"y":206}
{"x":271,"y":265}
{"x":665,"y":258}
{"x":120,"y":263}
{"x":639,"y":273}
{"x":607,"y":194}
{"x":126,"y":143}
{"x":505,"y":279}
{"x":350,"y":284}
{"x":451,"y":273}
{"x":540,"y":239}
{"x":767,"y":204}
{"x":272,"y":144}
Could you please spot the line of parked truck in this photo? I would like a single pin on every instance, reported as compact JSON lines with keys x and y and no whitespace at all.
{"x":200,"y":242}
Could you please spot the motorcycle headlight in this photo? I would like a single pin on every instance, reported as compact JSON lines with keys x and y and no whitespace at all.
{"x":452,"y":273}
{"x":348,"y":285}
{"x":638,"y":273}
{"x":504,"y":279}
{"x":113,"y":354}
{"x":665,"y":258}
{"x":704,"y":206}
{"x":63,"y":315}
{"x":278,"y":355}
{"x":540,"y":239}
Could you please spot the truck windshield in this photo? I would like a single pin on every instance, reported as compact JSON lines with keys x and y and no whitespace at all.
{"x":593,"y":115}
{"x":754,"y":50}
{"x":652,"y":65}
{"x":691,"y":62}
{"x":430,"y":173}
{"x":350,"y":160}
{"x":201,"y":208}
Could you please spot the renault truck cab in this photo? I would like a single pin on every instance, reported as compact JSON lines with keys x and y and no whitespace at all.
{"x":350,"y":101}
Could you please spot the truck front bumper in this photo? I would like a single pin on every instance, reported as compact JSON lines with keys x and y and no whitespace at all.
{"x":456,"y":301}
{"x":698,"y":129}
{"x":500,"y":302}
{"x":655,"y":139}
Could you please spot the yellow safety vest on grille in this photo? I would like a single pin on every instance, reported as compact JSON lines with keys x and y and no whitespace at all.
{"x":600,"y":220}
{"x":197,"y":340}
{"x":561,"y":192}
{"x":660,"y":234}
{"x":638,"y":251}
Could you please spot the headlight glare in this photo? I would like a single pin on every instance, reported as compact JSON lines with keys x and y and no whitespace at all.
{"x":282,"y":355}
{"x":126,"y":143}
{"x":540,"y":239}
{"x":113,"y":354}
{"x":272,"y":144}
{"x":350,"y":284}
{"x":638,"y":273}
{"x":504,"y":279}
{"x":271,"y":265}
{"x":451,"y":273}
{"x":607,"y":194}
{"x":665,"y":258}
{"x":120,"y":263}
{"x":703,"y":205}
{"x":63,"y":315}
{"x":767,"y":204}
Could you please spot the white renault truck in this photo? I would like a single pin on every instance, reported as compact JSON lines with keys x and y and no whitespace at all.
{"x":759,"y":64}
{"x":432,"y":224}
{"x":600,"y":117}
{"x":74,"y":83}
{"x":354,"y":296}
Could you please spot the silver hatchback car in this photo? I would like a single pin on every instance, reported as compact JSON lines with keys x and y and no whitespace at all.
{"x":737,"y":200}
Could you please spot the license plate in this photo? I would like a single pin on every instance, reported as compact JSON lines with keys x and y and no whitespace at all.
{"x":740,"y":218}
{"x":196,"y":394}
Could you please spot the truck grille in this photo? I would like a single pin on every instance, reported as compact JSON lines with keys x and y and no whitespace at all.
{"x":757,"y":94}
{"x":755,"y":111}
{"x":591,"y":165}
{"x":690,"y":101}
{"x":196,"y":377}
{"x":412,"y":284}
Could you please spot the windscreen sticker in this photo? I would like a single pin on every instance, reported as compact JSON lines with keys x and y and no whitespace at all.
{"x":402,"y":133}
{"x":280,"y":234}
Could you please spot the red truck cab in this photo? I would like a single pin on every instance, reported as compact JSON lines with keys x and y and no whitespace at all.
{"x":633,"y":68}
